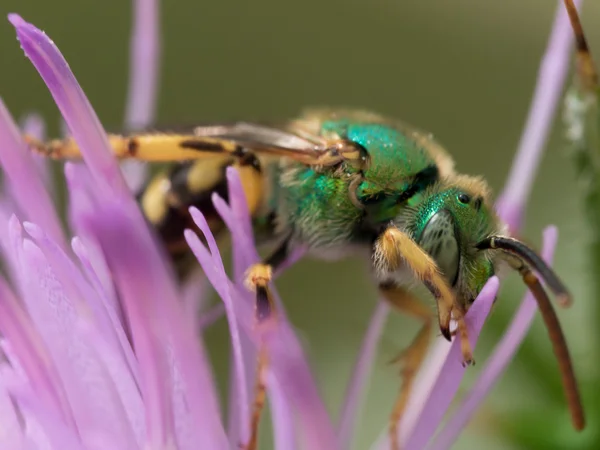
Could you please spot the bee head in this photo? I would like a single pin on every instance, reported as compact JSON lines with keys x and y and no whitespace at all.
{"x":448,"y":222}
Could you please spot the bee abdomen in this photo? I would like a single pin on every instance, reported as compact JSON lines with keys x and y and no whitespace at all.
{"x":167,"y":198}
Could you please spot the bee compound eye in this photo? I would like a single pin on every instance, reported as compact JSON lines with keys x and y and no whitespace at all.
{"x":464,"y":198}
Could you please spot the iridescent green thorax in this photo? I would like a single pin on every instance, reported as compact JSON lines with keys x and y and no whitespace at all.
{"x":319,"y":202}
{"x":398,"y":167}
{"x":392,"y":154}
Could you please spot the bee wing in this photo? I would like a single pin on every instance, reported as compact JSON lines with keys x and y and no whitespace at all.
{"x":259,"y":134}
{"x":263,"y":139}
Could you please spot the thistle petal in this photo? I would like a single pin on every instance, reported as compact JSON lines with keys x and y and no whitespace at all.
{"x":497,"y":363}
{"x":162,"y":336}
{"x":74,"y":106}
{"x":452,"y":372}
{"x":360,"y":375}
{"x":551,"y":80}
{"x":287,"y":361}
{"x":144,"y":64}
{"x":26,"y":185}
{"x":239,"y":367}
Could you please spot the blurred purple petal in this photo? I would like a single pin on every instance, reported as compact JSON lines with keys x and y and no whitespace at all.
{"x":33,"y":125}
{"x":210,"y":316}
{"x":73,"y":104}
{"x":115,"y":350}
{"x":551,"y":79}
{"x":162,"y":336}
{"x":239,"y":403}
{"x":282,"y":417}
{"x":451,"y":375}
{"x":497,"y":363}
{"x":360,"y":375}
{"x":236,"y":216}
{"x":63,"y":322}
{"x":194,"y":296}
{"x":44,"y":429}
{"x":11,"y":435}
{"x":144,"y":65}
{"x":81,"y":203}
{"x":26,"y":184}
{"x":30,"y":352}
{"x":288,"y":363}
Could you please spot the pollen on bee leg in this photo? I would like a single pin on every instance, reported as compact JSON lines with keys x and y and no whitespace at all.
{"x":257,"y":280}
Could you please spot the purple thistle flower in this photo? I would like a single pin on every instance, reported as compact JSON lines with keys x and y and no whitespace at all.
{"x":99,"y":350}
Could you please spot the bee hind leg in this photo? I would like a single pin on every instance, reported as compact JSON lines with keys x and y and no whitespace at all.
{"x":260,"y":275}
{"x":150,"y":147}
{"x":258,"y":278}
{"x":260,"y":397}
{"x":412,"y":357}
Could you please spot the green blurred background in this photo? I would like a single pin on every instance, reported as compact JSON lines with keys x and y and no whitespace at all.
{"x":464,"y":69}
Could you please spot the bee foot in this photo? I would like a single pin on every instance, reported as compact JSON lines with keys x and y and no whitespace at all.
{"x":257,"y":280}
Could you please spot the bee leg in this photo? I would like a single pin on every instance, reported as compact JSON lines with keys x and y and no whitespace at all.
{"x":259,"y":276}
{"x":260,"y":397}
{"x":392,"y":249}
{"x":257,"y":279}
{"x":151,"y":147}
{"x":412,"y":357}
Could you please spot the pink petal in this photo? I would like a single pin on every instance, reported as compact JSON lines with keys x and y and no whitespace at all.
{"x":551,"y":79}
{"x":26,"y":185}
{"x":34,"y":125}
{"x":360,"y":375}
{"x":63,"y":323}
{"x":288,"y":363}
{"x":166,"y":346}
{"x":497,"y":363}
{"x":11,"y":432}
{"x":218,"y":278}
{"x":74,"y":106}
{"x":104,"y":332}
{"x":452,"y":372}
{"x":144,"y":65}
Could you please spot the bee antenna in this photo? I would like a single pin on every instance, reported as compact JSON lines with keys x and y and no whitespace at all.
{"x":526,"y":254}
{"x":559,"y":345}
{"x":526,"y":257}
{"x":585,"y":67}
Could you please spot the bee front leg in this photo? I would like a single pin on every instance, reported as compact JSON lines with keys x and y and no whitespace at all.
{"x":412,"y":357}
{"x":392,"y":249}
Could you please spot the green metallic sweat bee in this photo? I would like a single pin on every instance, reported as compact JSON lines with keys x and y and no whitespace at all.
{"x":339,"y":183}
